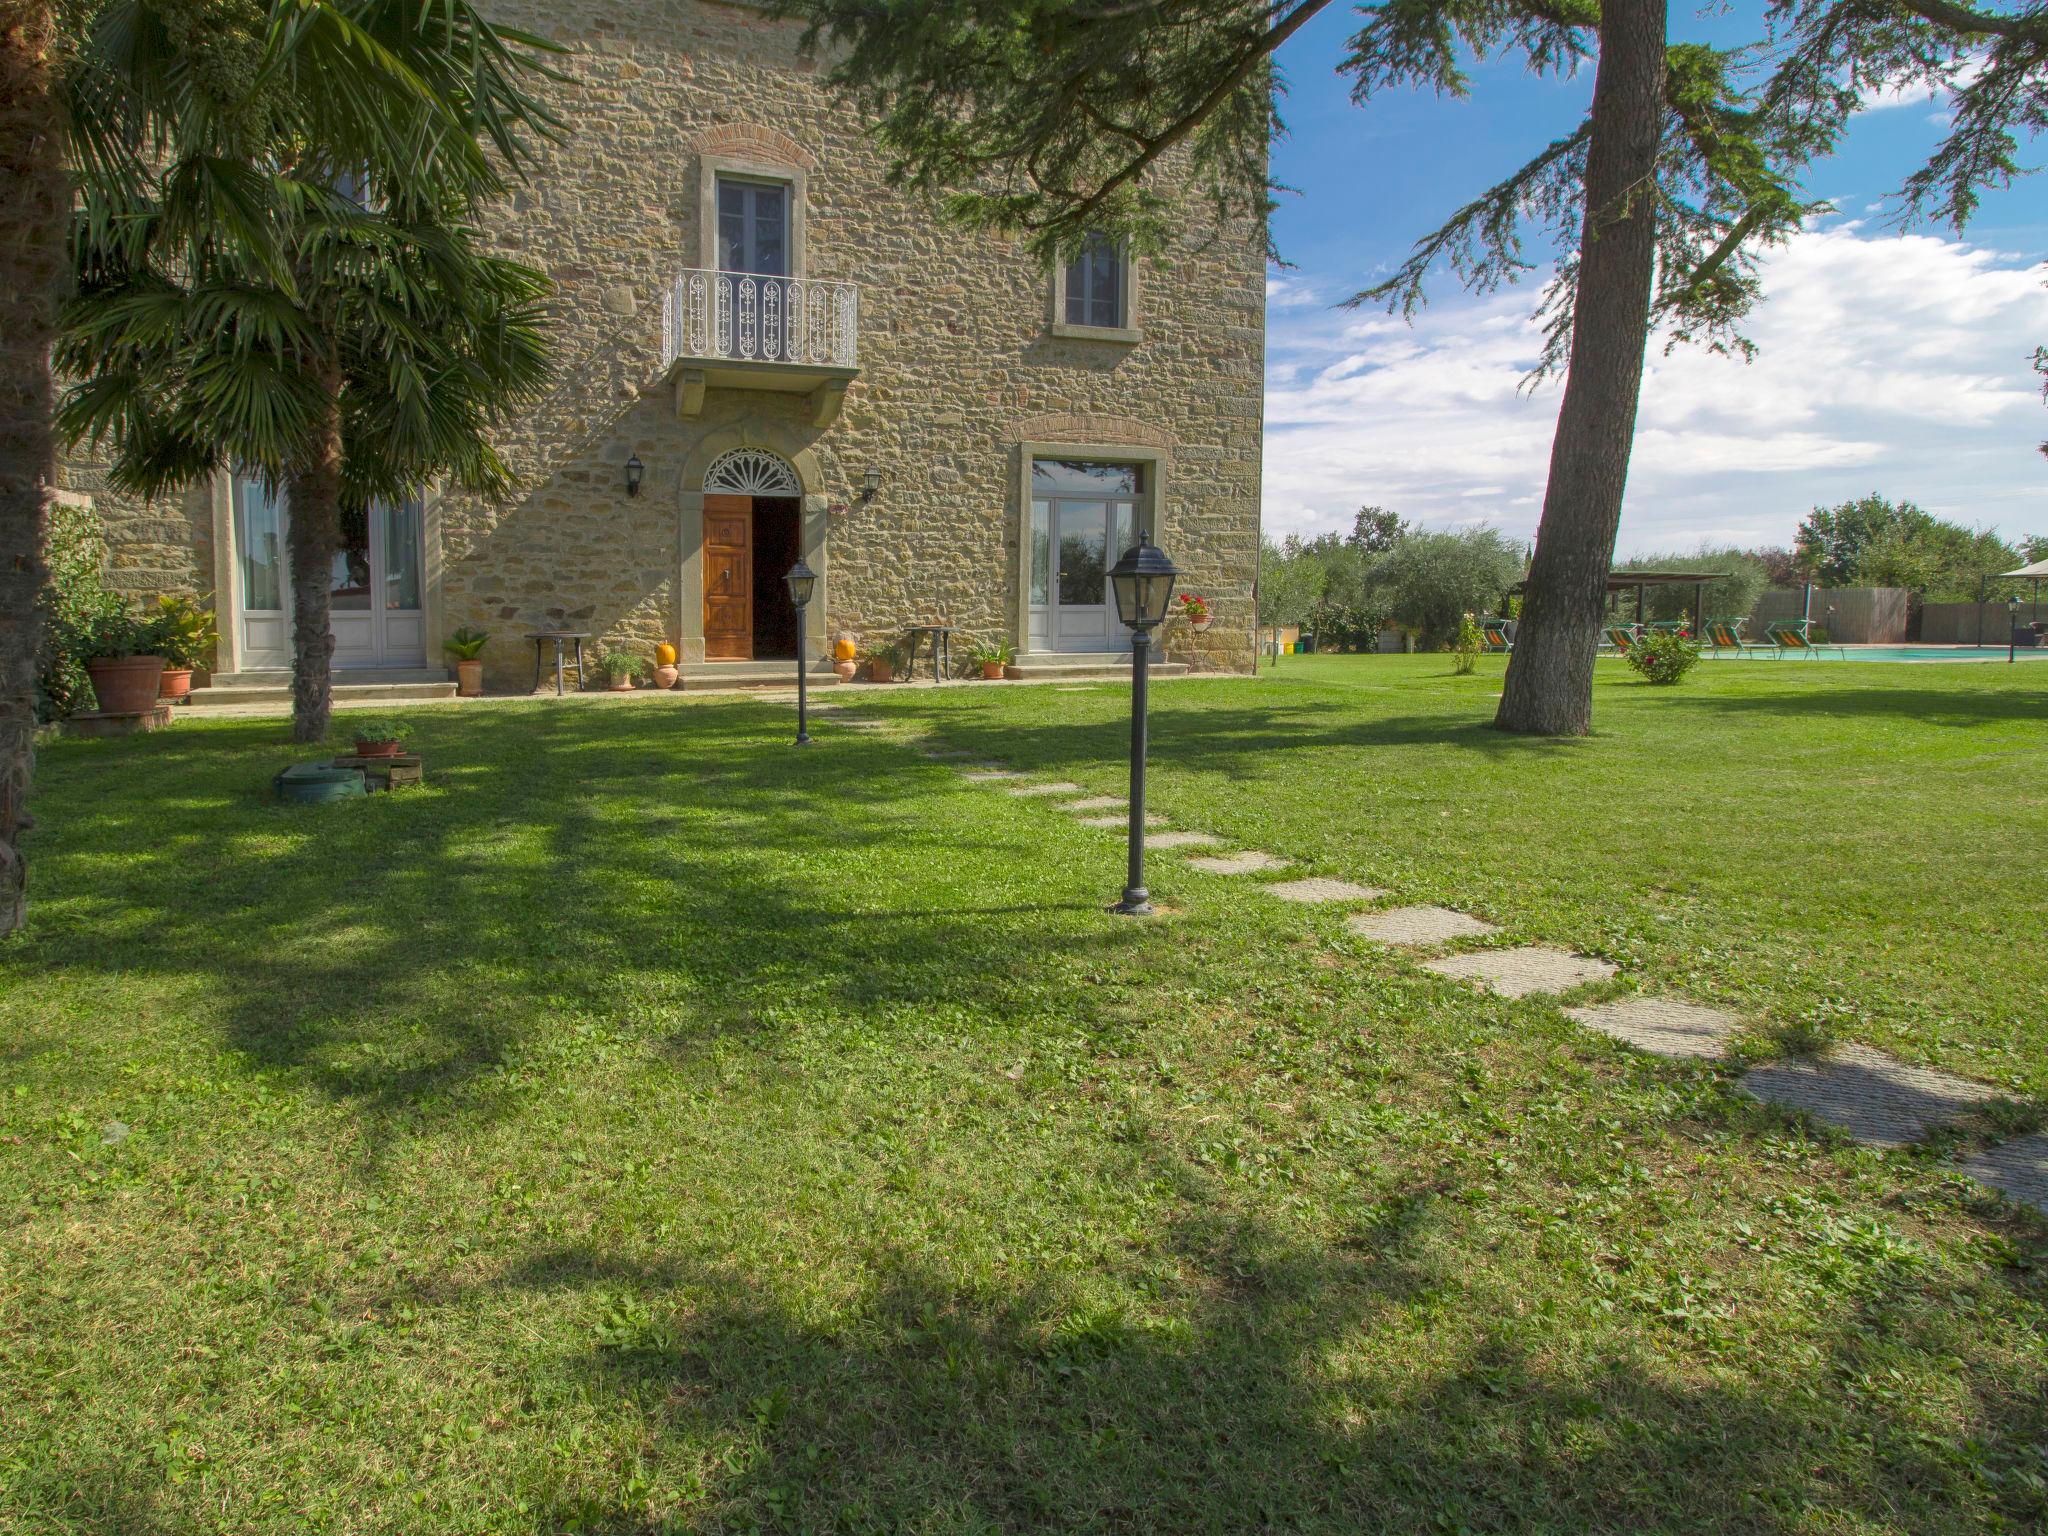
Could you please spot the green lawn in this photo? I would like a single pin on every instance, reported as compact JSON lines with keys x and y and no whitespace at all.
{"x":648,"y":1127}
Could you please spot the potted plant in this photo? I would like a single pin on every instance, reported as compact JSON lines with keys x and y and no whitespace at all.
{"x":379,"y":736}
{"x":882,"y":661}
{"x":466,"y":646}
{"x":1195,"y":609}
{"x":618,"y":669}
{"x":123,"y":662}
{"x":845,"y":656}
{"x":991,"y":658}
{"x":186,"y":636}
{"x":665,"y":670}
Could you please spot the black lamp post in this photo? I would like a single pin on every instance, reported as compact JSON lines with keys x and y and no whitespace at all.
{"x":802,"y":582}
{"x":1143,"y":583}
{"x":2012,"y":628}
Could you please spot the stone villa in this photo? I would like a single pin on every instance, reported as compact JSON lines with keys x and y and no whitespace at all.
{"x":786,"y":355}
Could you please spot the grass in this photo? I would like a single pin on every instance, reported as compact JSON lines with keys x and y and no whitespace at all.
{"x":647,"y":1127}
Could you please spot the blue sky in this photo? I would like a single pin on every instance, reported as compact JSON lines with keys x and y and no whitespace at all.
{"x":1891,"y":359}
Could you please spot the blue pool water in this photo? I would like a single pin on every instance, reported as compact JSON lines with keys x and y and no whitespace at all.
{"x":1907,"y":653}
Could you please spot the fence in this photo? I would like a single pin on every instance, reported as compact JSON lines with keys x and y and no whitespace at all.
{"x":1972,"y":623}
{"x":1850,"y":615}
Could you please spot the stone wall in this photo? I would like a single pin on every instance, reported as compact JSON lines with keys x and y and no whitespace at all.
{"x":957,"y":366}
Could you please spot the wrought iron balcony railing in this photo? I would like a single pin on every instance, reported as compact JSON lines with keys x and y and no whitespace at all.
{"x":748,"y":317}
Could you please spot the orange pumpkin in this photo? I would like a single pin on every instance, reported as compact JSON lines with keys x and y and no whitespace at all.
{"x":843,"y":649}
{"x":665,"y":654}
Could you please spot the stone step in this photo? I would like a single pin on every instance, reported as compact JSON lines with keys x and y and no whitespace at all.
{"x":281,"y":677}
{"x":697,"y":677}
{"x":1088,"y":666}
{"x":217,"y":697}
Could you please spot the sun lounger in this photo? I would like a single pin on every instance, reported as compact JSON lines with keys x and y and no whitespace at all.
{"x":1792,"y":639}
{"x":1617,"y":638}
{"x":1724,"y":638}
{"x":1496,"y":636}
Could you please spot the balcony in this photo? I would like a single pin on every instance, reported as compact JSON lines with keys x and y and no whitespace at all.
{"x":744,"y":330}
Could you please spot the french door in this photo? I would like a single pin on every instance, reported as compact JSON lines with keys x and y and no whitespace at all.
{"x":374,"y":593}
{"x":1083,"y":517}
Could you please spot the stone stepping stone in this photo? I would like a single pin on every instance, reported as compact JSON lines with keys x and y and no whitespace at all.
{"x":855,"y":723}
{"x":1668,"y":1026}
{"x":1250,"y":862}
{"x":990,"y":775}
{"x":1415,"y":926}
{"x":1182,"y":840}
{"x":1521,"y":971}
{"x":1872,"y":1096}
{"x":1151,"y":820}
{"x":2020,"y":1168}
{"x":1061,"y":788}
{"x":1096,"y":803}
{"x":1318,"y":889}
{"x":945,"y":754}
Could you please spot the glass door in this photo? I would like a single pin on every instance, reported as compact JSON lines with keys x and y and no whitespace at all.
{"x":373,"y":592}
{"x":1083,"y":517}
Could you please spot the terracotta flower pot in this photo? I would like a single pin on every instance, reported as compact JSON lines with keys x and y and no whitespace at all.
{"x":385,"y":748}
{"x":880,"y":671}
{"x":175,"y":684}
{"x":1199,"y":625}
{"x":623,"y":685}
{"x":991,"y":671}
{"x":126,"y":685}
{"x":469,"y":678}
{"x":845,"y":669}
{"x":666,"y":674}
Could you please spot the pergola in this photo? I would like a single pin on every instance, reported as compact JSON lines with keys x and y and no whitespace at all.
{"x":1640,"y":582}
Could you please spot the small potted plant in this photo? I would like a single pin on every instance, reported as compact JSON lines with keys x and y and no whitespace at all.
{"x":1195,"y":609}
{"x":466,"y":646}
{"x":992,"y":658}
{"x":882,"y":661}
{"x":846,"y":656}
{"x":665,"y":669}
{"x":618,"y":669}
{"x":122,"y":659}
{"x":380,"y":736}
{"x":186,"y":636}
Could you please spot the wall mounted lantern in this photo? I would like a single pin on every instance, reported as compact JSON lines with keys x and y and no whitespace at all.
{"x":634,"y":471}
{"x":870,"y":483}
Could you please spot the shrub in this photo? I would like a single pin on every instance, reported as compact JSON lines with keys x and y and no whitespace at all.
{"x":74,"y":601}
{"x":1465,"y":648}
{"x":377,"y":728}
{"x":994,"y":653}
{"x":184,"y":633}
{"x":1664,"y":656}
{"x":616,"y":666}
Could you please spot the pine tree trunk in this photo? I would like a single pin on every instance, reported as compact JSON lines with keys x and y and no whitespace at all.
{"x":34,"y":205}
{"x":1549,"y":690}
{"x":313,"y":497}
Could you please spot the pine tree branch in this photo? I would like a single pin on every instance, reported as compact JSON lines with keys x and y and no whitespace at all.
{"x":1256,"y":53}
{"x":1975,"y":23}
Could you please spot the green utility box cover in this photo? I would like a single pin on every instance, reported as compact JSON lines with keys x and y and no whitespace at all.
{"x":316,"y":783}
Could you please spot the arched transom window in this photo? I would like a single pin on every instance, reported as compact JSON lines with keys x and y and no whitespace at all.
{"x":751,"y":472}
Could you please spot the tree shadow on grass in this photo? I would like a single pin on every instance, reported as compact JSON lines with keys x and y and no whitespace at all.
{"x":1249,"y":1399}
{"x":1930,"y":706}
{"x":407,"y":954}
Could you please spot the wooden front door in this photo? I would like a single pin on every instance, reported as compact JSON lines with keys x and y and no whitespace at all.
{"x":729,"y":578}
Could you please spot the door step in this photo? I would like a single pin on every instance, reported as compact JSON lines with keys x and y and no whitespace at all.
{"x":228,"y":696}
{"x":1086,"y":666}
{"x":702,"y":675}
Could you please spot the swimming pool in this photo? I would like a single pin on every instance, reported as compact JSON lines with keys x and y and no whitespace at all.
{"x":1921,"y":653}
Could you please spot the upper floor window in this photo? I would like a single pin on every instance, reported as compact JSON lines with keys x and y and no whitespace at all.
{"x":753,"y":226}
{"x":1095,"y":285}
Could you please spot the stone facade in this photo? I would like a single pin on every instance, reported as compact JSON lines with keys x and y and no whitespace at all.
{"x":959,"y":372}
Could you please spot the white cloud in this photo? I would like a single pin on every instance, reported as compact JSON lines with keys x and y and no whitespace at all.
{"x":1888,"y":362}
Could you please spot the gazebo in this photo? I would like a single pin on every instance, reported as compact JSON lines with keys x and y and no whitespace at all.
{"x":1640,"y":583}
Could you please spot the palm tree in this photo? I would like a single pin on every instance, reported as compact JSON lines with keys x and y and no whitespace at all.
{"x":122,"y":96}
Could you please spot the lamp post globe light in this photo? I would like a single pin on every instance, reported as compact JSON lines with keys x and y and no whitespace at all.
{"x":2012,"y":628}
{"x":1142,"y":582}
{"x":802,"y":582}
